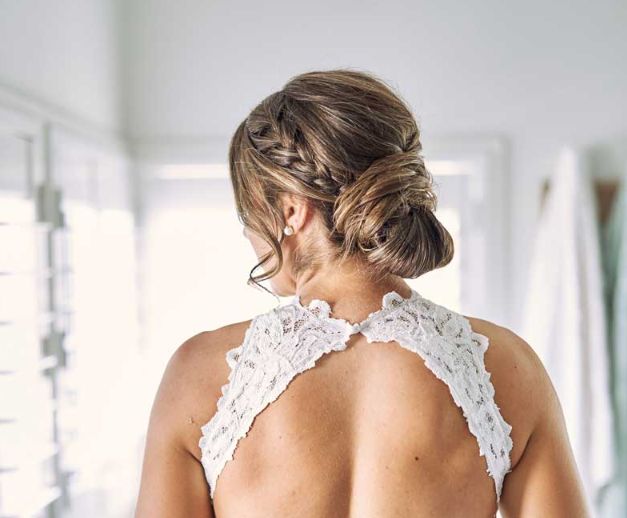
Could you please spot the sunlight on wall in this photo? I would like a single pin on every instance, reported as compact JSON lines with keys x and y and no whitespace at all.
{"x":444,"y":284}
{"x":103,"y":406}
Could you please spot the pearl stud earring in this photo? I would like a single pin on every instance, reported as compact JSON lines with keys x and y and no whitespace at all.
{"x":288,"y":231}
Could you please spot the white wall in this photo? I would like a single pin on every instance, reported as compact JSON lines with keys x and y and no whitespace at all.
{"x":539,"y":73}
{"x":64,"y":56}
{"x":177,"y":77}
{"x":538,"y":68}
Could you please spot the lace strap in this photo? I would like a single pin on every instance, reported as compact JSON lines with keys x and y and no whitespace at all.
{"x":278,"y":346}
{"x":212,"y":432}
{"x":455,"y":354}
{"x":496,"y":442}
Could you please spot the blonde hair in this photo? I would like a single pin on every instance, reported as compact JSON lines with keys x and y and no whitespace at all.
{"x":349,"y":145}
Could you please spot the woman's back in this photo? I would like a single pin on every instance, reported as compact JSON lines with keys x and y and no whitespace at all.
{"x":373,"y":430}
{"x":369,"y":430}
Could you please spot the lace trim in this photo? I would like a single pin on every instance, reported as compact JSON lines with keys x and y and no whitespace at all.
{"x":219,"y":438}
{"x":438,"y":335}
{"x":501,"y":462}
{"x":232,"y":358}
{"x":391,"y":300}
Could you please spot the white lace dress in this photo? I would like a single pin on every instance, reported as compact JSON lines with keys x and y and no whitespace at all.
{"x":290,"y":338}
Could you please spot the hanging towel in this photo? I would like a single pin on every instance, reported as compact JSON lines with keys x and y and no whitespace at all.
{"x":564,"y":318}
{"x":614,"y":502}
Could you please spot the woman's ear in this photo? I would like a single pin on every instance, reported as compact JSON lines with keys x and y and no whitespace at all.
{"x":296,"y":210}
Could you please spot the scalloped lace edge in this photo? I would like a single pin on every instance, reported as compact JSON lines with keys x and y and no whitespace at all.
{"x":207,"y":427}
{"x":386,"y":307}
{"x":506,"y":428}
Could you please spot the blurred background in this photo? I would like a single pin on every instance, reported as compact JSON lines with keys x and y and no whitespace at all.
{"x":119,"y":237}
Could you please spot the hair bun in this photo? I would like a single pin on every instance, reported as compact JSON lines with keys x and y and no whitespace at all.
{"x":387,"y":215}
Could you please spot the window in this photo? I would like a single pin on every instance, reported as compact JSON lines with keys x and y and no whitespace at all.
{"x":29,"y":476}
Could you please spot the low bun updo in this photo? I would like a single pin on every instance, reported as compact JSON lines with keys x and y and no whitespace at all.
{"x":343,"y":140}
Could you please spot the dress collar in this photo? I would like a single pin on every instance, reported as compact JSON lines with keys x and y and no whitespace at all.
{"x":391,"y":300}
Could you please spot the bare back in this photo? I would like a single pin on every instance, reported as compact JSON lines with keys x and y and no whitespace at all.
{"x":370,"y":431}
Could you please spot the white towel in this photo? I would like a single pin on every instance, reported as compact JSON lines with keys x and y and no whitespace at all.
{"x":565,"y":320}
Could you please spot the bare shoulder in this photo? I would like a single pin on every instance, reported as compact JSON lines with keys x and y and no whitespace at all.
{"x":173,"y":482}
{"x":544,"y":480}
{"x":193,"y":377}
{"x":521,"y":384}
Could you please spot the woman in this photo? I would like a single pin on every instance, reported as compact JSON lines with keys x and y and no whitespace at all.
{"x":359,"y":397}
